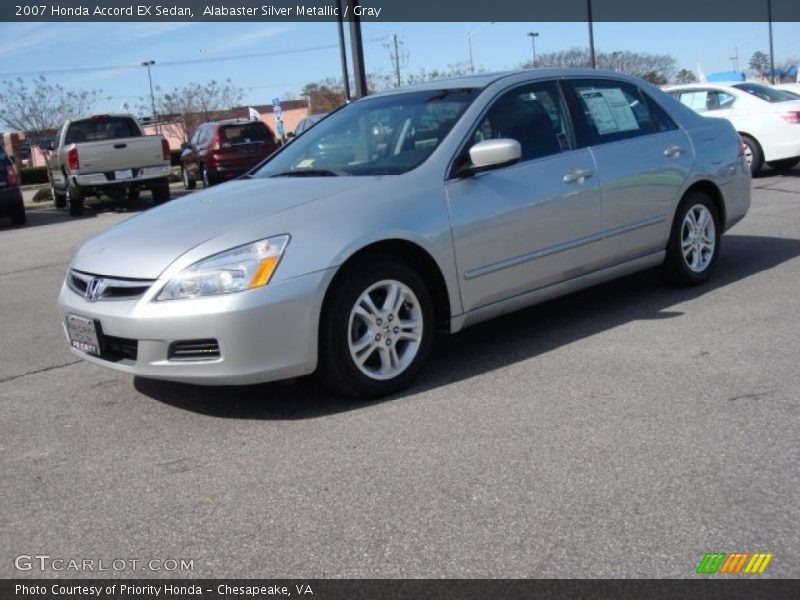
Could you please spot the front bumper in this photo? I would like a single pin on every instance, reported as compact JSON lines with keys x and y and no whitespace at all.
{"x":265,"y":334}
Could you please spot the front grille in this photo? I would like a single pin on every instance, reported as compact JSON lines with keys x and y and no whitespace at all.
{"x":110,"y":288}
{"x":116,"y":349}
{"x":193,"y":350}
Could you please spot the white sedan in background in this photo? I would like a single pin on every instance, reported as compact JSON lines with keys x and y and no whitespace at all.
{"x":767,"y":119}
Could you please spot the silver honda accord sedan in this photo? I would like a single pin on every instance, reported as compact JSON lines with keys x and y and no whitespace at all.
{"x":420,"y":209}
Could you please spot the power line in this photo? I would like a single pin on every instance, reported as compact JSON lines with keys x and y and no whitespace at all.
{"x":176,"y":63}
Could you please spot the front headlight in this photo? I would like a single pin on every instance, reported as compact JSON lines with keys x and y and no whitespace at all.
{"x":241,"y":268}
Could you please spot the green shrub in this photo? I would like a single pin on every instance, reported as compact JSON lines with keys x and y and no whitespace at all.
{"x":42,"y":195}
{"x":32,"y":175}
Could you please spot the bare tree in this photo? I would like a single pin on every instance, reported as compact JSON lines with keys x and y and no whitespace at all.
{"x":38,"y":108}
{"x":653,"y":67}
{"x":182,"y":110}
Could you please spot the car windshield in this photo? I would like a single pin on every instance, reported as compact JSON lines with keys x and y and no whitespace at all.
{"x":384,"y":135}
{"x":765,"y":92}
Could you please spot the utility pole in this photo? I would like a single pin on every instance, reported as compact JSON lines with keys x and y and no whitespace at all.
{"x":342,"y":51}
{"x":533,"y":35}
{"x":396,"y":60}
{"x":148,"y":64}
{"x":591,"y":34}
{"x":771,"y":49}
{"x":359,"y":72}
{"x":469,"y":45}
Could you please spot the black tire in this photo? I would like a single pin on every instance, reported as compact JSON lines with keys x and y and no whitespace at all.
{"x":757,"y":160}
{"x":19,"y":217}
{"x":160,"y":191}
{"x":59,"y":199}
{"x":785,"y":164}
{"x":188,"y":182}
{"x":208,"y":178}
{"x":74,"y":199}
{"x":337,"y":368}
{"x":133,"y":194}
{"x":676,"y":269}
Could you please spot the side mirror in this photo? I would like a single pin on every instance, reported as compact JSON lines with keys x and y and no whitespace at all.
{"x":185,"y":146}
{"x":491,"y":154}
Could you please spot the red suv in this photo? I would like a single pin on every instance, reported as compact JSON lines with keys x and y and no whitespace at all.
{"x":223,"y":150}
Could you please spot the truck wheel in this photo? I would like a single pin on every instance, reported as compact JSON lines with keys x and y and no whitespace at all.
{"x":160,"y":191}
{"x":133,"y":194}
{"x":188,"y":182}
{"x":74,"y":199}
{"x":19,"y":217}
{"x":59,"y":199}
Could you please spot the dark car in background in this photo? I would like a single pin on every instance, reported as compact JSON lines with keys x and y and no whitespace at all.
{"x":11,"y":204}
{"x":224,"y":150}
{"x":308,"y":123}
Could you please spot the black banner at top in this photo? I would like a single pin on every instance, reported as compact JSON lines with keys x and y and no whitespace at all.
{"x":400,"y":10}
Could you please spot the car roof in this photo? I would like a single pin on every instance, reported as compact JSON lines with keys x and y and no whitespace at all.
{"x":484,"y":80}
{"x":707,"y":84}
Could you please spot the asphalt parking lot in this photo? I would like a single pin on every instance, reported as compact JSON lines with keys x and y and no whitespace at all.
{"x":620,"y":432}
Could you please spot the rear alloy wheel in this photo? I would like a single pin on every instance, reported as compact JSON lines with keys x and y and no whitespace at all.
{"x":74,"y":199}
{"x":376,"y":329}
{"x":785,"y":164}
{"x":693,"y":247}
{"x":188,"y":182}
{"x":753,"y":154}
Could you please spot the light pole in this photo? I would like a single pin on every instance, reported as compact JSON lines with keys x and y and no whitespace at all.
{"x":591,"y":34}
{"x":771,"y":49}
{"x":469,"y":44}
{"x":148,"y":64}
{"x":533,"y":35}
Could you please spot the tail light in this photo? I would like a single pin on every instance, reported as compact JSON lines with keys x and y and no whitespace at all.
{"x":11,"y":175}
{"x":73,"y":164}
{"x":165,"y":148}
{"x":214,"y":143}
{"x":792,"y":116}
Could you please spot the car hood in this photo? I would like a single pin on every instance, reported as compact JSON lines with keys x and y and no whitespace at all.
{"x":143,"y":246}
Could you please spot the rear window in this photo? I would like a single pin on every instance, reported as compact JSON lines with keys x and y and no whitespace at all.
{"x":99,"y":129}
{"x":244,"y":133}
{"x":769,"y":94}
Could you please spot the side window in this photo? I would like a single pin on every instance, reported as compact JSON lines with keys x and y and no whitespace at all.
{"x":707,"y":100}
{"x":609,"y":111}
{"x":719,"y":100}
{"x":195,"y":137}
{"x":533,"y":115}
{"x":661,"y":120}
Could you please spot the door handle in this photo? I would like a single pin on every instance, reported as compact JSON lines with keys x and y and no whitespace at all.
{"x":577,"y":176}
{"x":673,"y":151}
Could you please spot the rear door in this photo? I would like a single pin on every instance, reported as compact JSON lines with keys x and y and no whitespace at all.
{"x":531,"y":224}
{"x":643,"y":159}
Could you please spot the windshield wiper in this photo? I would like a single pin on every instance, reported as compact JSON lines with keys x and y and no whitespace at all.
{"x":310,"y":173}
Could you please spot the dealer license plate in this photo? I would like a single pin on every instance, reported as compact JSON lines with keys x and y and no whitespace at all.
{"x":126,"y":174}
{"x":82,"y":334}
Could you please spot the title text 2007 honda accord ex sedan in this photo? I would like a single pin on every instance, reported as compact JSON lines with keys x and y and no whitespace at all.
{"x":433,"y":207}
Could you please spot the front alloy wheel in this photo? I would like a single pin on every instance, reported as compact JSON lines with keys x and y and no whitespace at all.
{"x":385,"y":330}
{"x":376,"y":328}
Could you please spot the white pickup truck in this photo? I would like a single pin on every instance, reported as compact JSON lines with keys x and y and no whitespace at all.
{"x":107,"y":154}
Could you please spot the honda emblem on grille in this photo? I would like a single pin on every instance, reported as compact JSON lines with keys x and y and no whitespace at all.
{"x":95,"y":289}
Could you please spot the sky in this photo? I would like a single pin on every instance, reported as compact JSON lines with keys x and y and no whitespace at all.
{"x":293,"y":54}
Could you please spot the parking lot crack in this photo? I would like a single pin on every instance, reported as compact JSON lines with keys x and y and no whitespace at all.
{"x":37,"y":371}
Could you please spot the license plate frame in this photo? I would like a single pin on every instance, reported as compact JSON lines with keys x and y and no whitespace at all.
{"x":84,"y":334}
{"x":123,"y":175}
